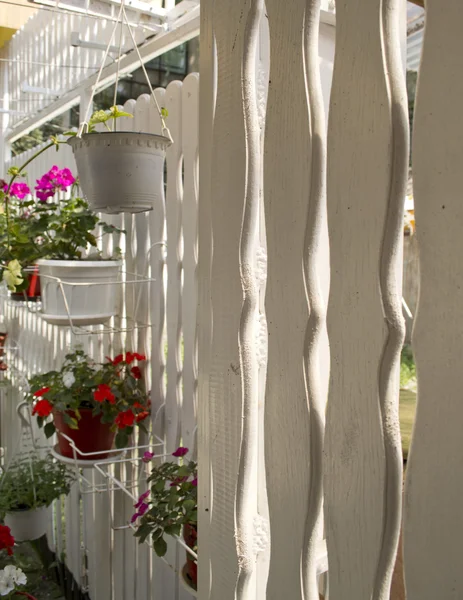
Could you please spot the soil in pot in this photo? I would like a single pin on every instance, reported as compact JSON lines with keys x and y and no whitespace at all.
{"x":190,"y":535}
{"x":92,"y":435}
{"x":33,"y":288}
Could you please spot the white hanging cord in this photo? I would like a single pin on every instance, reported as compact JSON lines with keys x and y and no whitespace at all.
{"x":165,"y":129}
{"x":84,"y":123}
{"x":117,"y":70}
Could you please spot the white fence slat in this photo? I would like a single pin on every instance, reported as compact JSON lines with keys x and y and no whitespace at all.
{"x":362,"y":448}
{"x":433,"y":524}
{"x":174,"y":195}
{"x":204,"y":316}
{"x":248,"y":336}
{"x":190,"y":139}
{"x":173,"y":104}
{"x":286,"y":199}
{"x":227,"y":198}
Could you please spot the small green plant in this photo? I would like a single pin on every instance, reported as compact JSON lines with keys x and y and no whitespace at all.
{"x":31,"y":482}
{"x":169,"y":504}
{"x":102,"y":116}
{"x":113,"y":389}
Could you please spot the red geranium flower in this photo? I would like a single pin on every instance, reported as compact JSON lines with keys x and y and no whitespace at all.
{"x":139,"y":356}
{"x":116,"y":360}
{"x":6,"y":539}
{"x":41,"y":392}
{"x":136,"y":372}
{"x":129,"y":357}
{"x":104,"y":393}
{"x":125,"y":419}
{"x":142,"y":416}
{"x":43,"y":408}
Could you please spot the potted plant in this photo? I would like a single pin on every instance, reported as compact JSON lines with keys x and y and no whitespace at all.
{"x":58,"y":236}
{"x":170,"y":507}
{"x":15,"y":242}
{"x":27,"y":488}
{"x":119,"y":171}
{"x":94,"y":404}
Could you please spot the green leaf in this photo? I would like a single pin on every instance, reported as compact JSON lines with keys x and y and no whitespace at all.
{"x":189,"y":505}
{"x":13,"y":171}
{"x":115,"y":113}
{"x":160,"y":546}
{"x":183,"y":471}
{"x":164,"y":112}
{"x":143,"y":532}
{"x":49,"y":429}
{"x":122,"y":439}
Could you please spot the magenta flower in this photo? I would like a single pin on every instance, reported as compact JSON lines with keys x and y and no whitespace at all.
{"x":142,"y":499}
{"x":53,"y":181}
{"x":142,"y":509}
{"x":147,"y":456}
{"x":18,"y":190}
{"x":181,"y":451}
{"x":195,"y":482}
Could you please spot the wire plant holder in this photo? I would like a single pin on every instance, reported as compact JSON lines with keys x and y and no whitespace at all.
{"x":128,"y":324}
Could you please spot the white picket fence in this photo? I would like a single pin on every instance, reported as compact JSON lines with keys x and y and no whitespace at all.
{"x":110,"y":561}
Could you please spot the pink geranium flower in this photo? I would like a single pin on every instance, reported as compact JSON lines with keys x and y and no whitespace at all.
{"x":181,"y":451}
{"x":53,"y":181}
{"x":18,"y":190}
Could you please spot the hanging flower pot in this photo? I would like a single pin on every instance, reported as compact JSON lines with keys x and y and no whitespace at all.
{"x":33,"y":287}
{"x":91,"y":436}
{"x":27,"y":525}
{"x":190,"y":535}
{"x":120,"y":171}
{"x":87,"y":304}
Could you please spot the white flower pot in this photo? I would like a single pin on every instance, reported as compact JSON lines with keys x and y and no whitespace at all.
{"x":26,"y":525}
{"x":120,"y":171}
{"x":88,"y":304}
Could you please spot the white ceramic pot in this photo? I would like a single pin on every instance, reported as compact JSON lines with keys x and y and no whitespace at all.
{"x":120,"y":171}
{"x":88,"y":304}
{"x":26,"y":525}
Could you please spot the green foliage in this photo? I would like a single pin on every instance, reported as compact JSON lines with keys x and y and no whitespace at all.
{"x":31,"y":482}
{"x":114,"y":390}
{"x":407,"y":367}
{"x":173,"y":503}
{"x":60,"y":230}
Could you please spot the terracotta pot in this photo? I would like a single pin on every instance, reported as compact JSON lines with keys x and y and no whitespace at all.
{"x":33,"y":289}
{"x":92,"y":435}
{"x":190,"y":535}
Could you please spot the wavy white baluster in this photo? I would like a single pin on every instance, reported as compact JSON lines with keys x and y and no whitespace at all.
{"x":246,"y":498}
{"x":390,"y":283}
{"x":317,"y":310}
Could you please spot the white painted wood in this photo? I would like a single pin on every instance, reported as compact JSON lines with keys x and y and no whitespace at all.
{"x":204,"y":314}
{"x":366,"y":150}
{"x":286,"y":198}
{"x":190,"y":138}
{"x":227,"y":199}
{"x":433,"y":520}
{"x":174,"y":195}
{"x":248,"y":336}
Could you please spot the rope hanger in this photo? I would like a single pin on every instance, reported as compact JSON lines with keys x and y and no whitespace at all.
{"x":121,"y":17}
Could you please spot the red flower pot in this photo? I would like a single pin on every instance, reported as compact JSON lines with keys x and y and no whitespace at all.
{"x":92,"y":435}
{"x":190,"y":535}
{"x":33,"y":289}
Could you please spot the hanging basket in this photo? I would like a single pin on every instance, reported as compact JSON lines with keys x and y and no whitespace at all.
{"x":28,"y":525}
{"x":92,"y":435}
{"x":91,"y":290}
{"x":120,"y":171}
